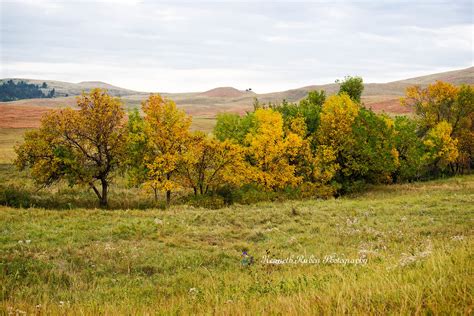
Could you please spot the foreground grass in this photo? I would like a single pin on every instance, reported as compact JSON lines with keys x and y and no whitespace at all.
{"x":418,"y":241}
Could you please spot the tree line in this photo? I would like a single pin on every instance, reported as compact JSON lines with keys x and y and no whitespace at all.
{"x":324,"y":146}
{"x":11,"y":91}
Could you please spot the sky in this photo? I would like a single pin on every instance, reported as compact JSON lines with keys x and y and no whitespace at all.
{"x":175,"y":46}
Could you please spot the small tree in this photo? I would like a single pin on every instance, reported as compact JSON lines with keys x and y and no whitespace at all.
{"x":81,"y":147}
{"x":443,"y":102}
{"x":334,"y":135}
{"x":233,"y":127}
{"x":352,"y":86}
{"x":441,"y":147}
{"x":270,"y":151}
{"x":167,"y":132}
{"x":209,"y":164}
{"x":410,"y":148}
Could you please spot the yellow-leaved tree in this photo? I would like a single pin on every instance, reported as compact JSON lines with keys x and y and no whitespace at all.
{"x":270,"y":151}
{"x":334,"y":135}
{"x":441,"y":147}
{"x":167,"y":133}
{"x":209,"y":164}
{"x":81,"y":147}
{"x":444,"y":102}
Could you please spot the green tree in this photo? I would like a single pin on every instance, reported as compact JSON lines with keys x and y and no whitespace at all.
{"x":231,"y":126}
{"x":137,"y":142}
{"x":410,"y":149}
{"x":352,"y":86}
{"x":372,"y":157}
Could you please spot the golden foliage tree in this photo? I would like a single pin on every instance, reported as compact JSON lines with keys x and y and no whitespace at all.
{"x":167,"y":132}
{"x":444,"y":102}
{"x":209,"y":164}
{"x":442,"y":148}
{"x":334,"y":134}
{"x":82,"y":147}
{"x":270,"y":151}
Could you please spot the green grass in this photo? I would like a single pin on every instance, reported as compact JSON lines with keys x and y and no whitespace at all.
{"x":417,"y":238}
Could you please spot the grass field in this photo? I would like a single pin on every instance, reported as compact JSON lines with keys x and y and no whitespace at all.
{"x":8,"y":138}
{"x":417,"y":240}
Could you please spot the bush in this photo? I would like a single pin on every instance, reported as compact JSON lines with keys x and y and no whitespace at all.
{"x":206,"y":201}
{"x":229,"y":194}
{"x":15,"y":197}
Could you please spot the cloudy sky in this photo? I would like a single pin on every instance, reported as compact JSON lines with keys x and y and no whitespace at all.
{"x":196,"y":45}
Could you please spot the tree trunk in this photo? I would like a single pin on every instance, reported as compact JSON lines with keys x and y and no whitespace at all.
{"x":104,"y":199}
{"x":155,"y":192}
{"x":168,"y":198}
{"x":168,"y":192}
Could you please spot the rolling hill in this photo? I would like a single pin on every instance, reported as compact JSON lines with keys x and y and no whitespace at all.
{"x":204,"y":106}
{"x":64,"y":89}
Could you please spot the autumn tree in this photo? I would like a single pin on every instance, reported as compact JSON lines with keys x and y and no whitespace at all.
{"x":270,"y":151}
{"x":444,"y":102}
{"x":81,"y":147}
{"x":208,"y":164}
{"x":167,"y":132}
{"x":334,"y":135}
{"x":441,"y":147}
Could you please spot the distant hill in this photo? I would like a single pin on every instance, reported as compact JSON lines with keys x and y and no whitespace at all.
{"x":457,"y":77}
{"x":225,"y":92}
{"x":381,"y":97}
{"x":63,"y":89}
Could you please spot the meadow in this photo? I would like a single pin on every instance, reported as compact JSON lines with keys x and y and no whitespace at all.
{"x":269,"y":246}
{"x":416,"y":240}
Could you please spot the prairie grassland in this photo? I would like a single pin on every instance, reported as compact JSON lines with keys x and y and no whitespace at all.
{"x":8,"y":138}
{"x":417,"y":239}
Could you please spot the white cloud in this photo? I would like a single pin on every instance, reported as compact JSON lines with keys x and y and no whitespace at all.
{"x":269,"y":46}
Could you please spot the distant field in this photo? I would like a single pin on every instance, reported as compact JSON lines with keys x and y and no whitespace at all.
{"x":8,"y":138}
{"x":417,"y":240}
{"x":11,"y":136}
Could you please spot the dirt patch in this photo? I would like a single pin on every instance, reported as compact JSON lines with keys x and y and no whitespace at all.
{"x":389,"y":106}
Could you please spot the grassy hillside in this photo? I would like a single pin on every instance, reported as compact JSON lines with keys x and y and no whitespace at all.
{"x":456,"y":77}
{"x":63,"y":89}
{"x":204,"y":107}
{"x":417,"y":240}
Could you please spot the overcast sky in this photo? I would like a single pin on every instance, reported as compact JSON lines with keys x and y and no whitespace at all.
{"x":268,"y":46}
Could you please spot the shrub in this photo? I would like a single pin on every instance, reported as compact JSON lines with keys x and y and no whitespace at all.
{"x":15,"y":197}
